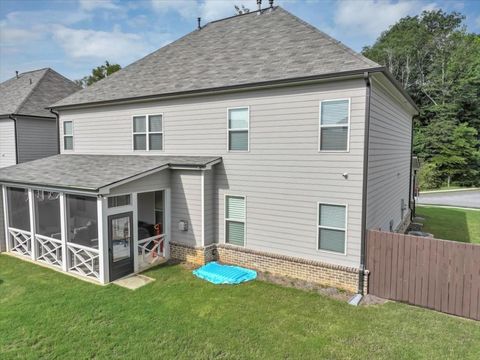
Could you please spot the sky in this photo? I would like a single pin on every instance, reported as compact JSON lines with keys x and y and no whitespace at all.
{"x":74,"y":36}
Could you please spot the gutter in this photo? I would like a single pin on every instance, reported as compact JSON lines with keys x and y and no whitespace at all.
{"x":10,"y":116}
{"x":57,"y":119}
{"x":361,"y":273}
{"x":411,"y":193}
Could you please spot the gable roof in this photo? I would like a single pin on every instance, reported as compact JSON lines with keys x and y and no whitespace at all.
{"x":260,"y":46}
{"x":31,"y":92}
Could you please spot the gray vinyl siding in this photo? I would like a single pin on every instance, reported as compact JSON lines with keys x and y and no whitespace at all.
{"x":186,"y":202}
{"x":7,"y":142}
{"x":389,"y":160}
{"x":37,"y":138}
{"x":210,"y":213}
{"x":156,"y":181}
{"x":283,"y":176}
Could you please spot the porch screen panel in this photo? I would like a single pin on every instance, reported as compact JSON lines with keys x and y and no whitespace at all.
{"x":18,"y":210}
{"x":82,"y":220}
{"x":47,"y":213}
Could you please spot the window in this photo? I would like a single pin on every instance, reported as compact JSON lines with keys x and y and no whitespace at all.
{"x":332,"y":227}
{"x":235,"y":220}
{"x":68,"y":135}
{"x":238,"y":127}
{"x":334,"y":125}
{"x":120,"y":200}
{"x":148,"y":135}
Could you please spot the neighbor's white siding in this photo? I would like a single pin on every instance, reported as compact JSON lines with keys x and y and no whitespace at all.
{"x":7,"y":143}
{"x":283,"y":176}
{"x":389,"y":159}
{"x":37,"y":138}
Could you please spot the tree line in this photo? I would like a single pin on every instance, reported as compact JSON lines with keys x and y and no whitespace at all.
{"x":438,"y":63}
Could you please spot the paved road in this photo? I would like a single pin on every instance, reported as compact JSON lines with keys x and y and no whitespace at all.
{"x":460,"y":198}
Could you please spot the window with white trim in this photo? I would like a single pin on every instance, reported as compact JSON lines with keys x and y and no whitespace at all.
{"x":334,"y":125}
{"x":332,"y":220}
{"x":148,"y":132}
{"x":238,"y":129}
{"x":68,"y":135}
{"x":235,"y":220}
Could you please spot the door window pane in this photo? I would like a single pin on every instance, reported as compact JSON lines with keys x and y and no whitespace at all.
{"x":82,"y":220}
{"x":140,"y":142}
{"x":334,"y":138}
{"x":238,"y":140}
{"x":139,"y":124}
{"x":47,"y":214}
{"x":18,"y":208}
{"x":156,"y":142}
{"x":155,"y":123}
{"x":121,"y":233}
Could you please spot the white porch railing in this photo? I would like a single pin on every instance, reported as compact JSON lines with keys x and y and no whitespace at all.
{"x":49,"y":250}
{"x":84,"y":260}
{"x":150,"y":251}
{"x":21,"y":241}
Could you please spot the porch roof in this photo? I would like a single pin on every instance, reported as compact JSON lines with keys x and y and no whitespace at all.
{"x":93,"y":172}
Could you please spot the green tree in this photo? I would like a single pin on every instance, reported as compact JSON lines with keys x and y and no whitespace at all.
{"x":99,"y":73}
{"x":438,"y":63}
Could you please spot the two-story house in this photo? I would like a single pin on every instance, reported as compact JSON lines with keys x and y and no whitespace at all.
{"x":256,"y":140}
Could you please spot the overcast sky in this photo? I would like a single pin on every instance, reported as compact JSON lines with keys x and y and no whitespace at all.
{"x":73,"y":36}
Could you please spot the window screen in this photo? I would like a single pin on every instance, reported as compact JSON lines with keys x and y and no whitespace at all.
{"x":334,"y":125}
{"x":235,"y":220}
{"x":331,"y":227}
{"x":238,"y":128}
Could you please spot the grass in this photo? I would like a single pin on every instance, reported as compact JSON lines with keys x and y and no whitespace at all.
{"x":451,"y":224}
{"x":45,"y":314}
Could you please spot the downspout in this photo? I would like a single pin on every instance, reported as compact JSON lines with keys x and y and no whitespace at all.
{"x":16,"y":136}
{"x":57,"y":117}
{"x":361,"y":273}
{"x":411,"y":194}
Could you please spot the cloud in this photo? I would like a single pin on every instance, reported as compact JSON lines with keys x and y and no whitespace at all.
{"x":14,"y":36}
{"x":115,"y":46}
{"x":371,"y":17}
{"x":208,"y":10}
{"x":477,"y":22}
{"x":90,"y":5}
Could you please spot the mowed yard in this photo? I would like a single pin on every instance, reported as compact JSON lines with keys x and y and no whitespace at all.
{"x":451,"y":224}
{"x":45,"y":314}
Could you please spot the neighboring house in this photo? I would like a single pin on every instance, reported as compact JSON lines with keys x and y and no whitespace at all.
{"x":28,"y":130}
{"x":256,"y":140}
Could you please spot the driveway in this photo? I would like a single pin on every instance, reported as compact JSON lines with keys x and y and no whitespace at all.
{"x":461,"y":198}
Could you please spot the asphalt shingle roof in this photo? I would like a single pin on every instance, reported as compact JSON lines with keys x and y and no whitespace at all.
{"x":92,"y":172}
{"x":33,"y":91}
{"x":251,"y":48}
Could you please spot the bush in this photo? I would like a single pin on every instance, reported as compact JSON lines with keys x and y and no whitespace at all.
{"x":429,"y":176}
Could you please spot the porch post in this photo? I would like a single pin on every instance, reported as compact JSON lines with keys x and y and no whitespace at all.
{"x":168,"y":220}
{"x":63,"y":230}
{"x":5,"y":216}
{"x":31,"y":209}
{"x":102,"y":243}
{"x":136,"y":267}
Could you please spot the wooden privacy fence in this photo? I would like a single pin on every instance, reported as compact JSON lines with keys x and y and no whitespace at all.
{"x":436,"y":274}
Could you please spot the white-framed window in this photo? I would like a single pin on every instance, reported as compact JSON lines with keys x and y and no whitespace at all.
{"x":148,"y":132}
{"x":68,"y":135}
{"x":119,"y":200}
{"x":334,"y":129}
{"x":332,"y":228}
{"x":235,"y":216}
{"x":238,"y":129}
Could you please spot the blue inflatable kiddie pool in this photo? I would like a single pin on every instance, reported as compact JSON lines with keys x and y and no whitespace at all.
{"x":224,"y":274}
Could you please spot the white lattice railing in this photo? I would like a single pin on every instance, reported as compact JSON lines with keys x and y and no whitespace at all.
{"x":84,"y":260}
{"x":21,"y":241}
{"x":49,"y":250}
{"x":150,"y":250}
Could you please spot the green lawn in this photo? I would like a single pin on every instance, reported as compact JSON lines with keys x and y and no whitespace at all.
{"x":451,"y":224}
{"x":45,"y":314}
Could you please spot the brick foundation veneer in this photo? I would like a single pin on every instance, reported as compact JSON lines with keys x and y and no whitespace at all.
{"x":341,"y":277}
